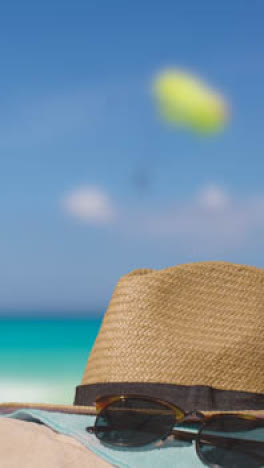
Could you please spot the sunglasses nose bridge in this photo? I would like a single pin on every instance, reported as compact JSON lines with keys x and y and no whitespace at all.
{"x":194,"y":416}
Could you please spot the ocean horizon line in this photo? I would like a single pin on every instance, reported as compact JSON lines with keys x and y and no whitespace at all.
{"x":49,"y":314}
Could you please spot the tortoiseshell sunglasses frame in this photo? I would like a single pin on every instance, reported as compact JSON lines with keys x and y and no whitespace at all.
{"x":180,"y":416}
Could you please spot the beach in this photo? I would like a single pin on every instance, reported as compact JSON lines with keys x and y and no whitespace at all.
{"x":42,"y":360}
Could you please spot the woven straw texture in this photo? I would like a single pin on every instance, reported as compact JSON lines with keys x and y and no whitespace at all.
{"x":194,"y":324}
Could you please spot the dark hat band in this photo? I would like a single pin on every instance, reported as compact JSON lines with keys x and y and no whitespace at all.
{"x":189,"y":398}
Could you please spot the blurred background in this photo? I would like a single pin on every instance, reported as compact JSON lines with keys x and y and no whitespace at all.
{"x":94,"y":183}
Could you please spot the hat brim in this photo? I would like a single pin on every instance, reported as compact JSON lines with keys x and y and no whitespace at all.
{"x":74,"y":409}
{"x":91,"y":410}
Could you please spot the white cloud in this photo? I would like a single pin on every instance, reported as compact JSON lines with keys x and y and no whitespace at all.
{"x":211,"y":218}
{"x":213,"y":197}
{"x":89,"y":204}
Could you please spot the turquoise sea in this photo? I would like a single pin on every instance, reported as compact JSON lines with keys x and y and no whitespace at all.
{"x":42,"y":360}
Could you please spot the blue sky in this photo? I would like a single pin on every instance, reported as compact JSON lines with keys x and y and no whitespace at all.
{"x":92,"y":183}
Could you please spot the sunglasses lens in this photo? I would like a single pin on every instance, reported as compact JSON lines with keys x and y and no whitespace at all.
{"x":134,"y":422}
{"x":232,"y":442}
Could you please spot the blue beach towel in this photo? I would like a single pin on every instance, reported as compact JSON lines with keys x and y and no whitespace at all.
{"x":172,"y":453}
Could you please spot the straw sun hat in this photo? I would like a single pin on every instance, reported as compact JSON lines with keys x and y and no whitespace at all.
{"x":191,"y":334}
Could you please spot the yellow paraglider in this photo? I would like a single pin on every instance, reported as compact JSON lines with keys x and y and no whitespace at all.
{"x":186,"y":101}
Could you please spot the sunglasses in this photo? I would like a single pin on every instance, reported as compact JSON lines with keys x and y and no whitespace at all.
{"x":222,"y":441}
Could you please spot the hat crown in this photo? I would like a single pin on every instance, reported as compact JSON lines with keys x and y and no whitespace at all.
{"x":193,"y":324}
